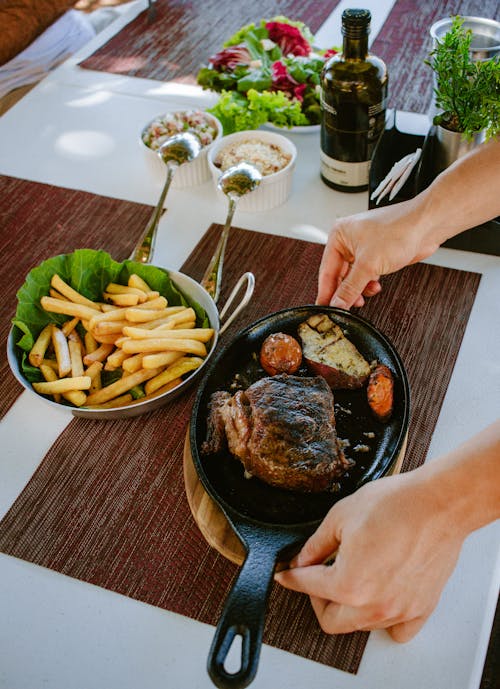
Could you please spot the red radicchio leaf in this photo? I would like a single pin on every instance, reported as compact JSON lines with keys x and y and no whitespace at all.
{"x":229,"y":58}
{"x":289,"y":39}
{"x":283,"y":81}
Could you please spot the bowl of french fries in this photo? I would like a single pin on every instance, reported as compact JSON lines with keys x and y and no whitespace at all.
{"x":104,"y":339}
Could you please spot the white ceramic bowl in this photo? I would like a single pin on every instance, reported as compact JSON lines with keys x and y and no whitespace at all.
{"x":187,"y":286}
{"x":189,"y":174}
{"x":275,"y":188}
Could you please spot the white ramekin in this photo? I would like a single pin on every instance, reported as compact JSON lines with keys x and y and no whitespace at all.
{"x":274,"y":189}
{"x":189,"y":174}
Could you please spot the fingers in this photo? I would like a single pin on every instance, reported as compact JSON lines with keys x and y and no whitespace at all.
{"x":404,"y":631}
{"x":337,"y":618}
{"x":355,"y":283}
{"x":330,"y":273}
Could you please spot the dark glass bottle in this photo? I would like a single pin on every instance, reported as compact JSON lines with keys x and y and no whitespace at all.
{"x":353,"y":100}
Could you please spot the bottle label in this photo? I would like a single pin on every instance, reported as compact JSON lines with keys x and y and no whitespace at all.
{"x":344,"y":174}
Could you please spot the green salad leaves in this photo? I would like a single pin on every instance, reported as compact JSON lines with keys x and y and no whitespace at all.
{"x":266,"y":72}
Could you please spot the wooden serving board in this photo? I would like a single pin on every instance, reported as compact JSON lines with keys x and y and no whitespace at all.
{"x":212,"y":521}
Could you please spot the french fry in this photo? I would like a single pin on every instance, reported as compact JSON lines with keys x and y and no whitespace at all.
{"x":93,"y":370}
{"x":188,"y":325}
{"x":122,"y":299}
{"x":109,"y":327}
{"x":166,"y":321}
{"x":133,"y":362}
{"x":201,"y":334}
{"x":121,"y":386}
{"x":156,"y":303}
{"x":107,"y":339}
{"x":68,"y":308}
{"x":99,"y":354}
{"x":160,"y":359}
{"x":76,"y":397}
{"x":62,"y":385}
{"x":113,"y":288}
{"x":75,"y":353}
{"x":142,"y":315}
{"x":162,"y":344}
{"x":50,"y":376}
{"x":121,"y":401}
{"x":52,"y":363}
{"x":165,"y":388}
{"x":58,"y":283}
{"x":69,"y":326}
{"x":136,"y":281}
{"x":61,"y":350}
{"x":116,"y":359}
{"x":90,"y":343}
{"x":40,"y":347}
{"x":57,"y":295}
{"x":176,"y":370}
{"x":112,"y":314}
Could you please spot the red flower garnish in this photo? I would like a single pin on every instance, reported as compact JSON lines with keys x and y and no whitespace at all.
{"x":330,"y":53}
{"x":229,"y":58}
{"x":289,"y":39}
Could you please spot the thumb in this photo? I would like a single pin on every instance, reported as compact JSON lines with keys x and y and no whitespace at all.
{"x":351,"y":287}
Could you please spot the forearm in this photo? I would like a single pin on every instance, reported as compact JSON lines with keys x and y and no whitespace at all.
{"x":465,"y":195}
{"x":465,"y":483}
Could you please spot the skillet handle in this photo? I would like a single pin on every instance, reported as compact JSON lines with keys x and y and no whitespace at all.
{"x":244,"y":615}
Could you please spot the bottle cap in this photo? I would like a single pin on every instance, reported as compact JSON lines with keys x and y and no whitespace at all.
{"x":356,"y":22}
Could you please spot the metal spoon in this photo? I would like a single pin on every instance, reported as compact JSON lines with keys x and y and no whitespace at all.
{"x":176,"y":150}
{"x":235,"y":182}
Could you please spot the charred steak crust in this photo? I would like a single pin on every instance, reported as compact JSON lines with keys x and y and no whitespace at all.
{"x":282,"y":428}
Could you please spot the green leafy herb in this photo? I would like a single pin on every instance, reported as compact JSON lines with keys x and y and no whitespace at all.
{"x":467,"y":91}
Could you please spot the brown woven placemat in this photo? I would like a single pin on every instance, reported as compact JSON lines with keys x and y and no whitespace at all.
{"x":404,"y":42}
{"x":184,"y":35}
{"x":40,"y":220}
{"x":107,"y":504}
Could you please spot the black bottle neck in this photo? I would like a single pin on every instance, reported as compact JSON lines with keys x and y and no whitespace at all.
{"x":355,"y":48}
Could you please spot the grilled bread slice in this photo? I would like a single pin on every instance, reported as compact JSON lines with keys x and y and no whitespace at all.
{"x":328,"y":353}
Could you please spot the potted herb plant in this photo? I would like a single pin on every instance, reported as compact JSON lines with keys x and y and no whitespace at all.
{"x":467,"y":94}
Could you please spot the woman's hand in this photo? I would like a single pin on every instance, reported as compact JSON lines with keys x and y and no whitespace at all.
{"x":395,"y":552}
{"x":363,"y":247}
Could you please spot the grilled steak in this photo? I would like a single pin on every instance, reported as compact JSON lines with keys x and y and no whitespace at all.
{"x":282,"y":428}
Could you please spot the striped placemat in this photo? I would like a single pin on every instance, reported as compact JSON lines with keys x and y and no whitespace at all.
{"x":107,"y":503}
{"x":155,"y":51}
{"x":40,"y":220}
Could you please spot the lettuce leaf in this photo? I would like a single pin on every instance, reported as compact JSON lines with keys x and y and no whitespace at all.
{"x":88,"y":271}
{"x":239,"y":112}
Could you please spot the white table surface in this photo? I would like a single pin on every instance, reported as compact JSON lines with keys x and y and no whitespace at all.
{"x":80,"y":129}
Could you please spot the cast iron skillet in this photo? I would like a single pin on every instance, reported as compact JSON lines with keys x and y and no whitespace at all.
{"x":273,"y":523}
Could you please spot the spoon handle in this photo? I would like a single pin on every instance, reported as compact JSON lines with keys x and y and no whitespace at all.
{"x":146,"y":244}
{"x":212,"y":279}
